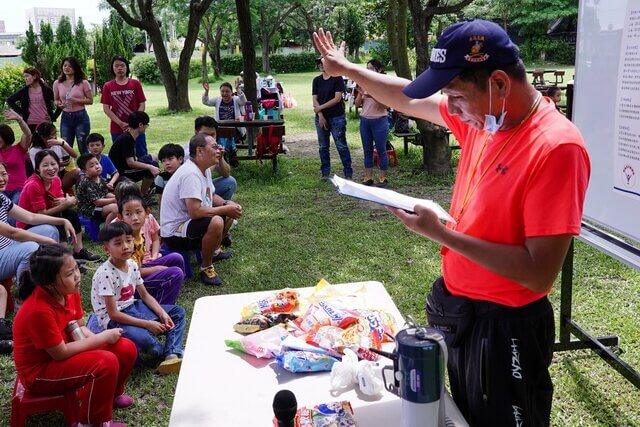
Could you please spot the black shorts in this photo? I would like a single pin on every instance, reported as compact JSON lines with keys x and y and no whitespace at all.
{"x":195,"y":232}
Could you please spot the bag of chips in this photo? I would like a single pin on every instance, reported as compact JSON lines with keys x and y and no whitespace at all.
{"x":284,"y":301}
{"x":327,"y":313}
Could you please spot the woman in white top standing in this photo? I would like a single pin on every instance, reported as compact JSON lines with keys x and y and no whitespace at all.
{"x":72,"y":92}
{"x":374,"y":129}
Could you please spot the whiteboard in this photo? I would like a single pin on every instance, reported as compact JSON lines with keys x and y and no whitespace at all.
{"x":604,"y":109}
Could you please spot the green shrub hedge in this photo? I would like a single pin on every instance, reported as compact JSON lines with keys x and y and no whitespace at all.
{"x":10,"y":81}
{"x":280,"y":64}
{"x":557,"y":51}
{"x":146,"y":69}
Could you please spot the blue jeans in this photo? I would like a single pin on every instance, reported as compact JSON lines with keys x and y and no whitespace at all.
{"x":337,"y":128}
{"x":75,"y":125}
{"x":146,"y":342}
{"x":141,"y":143}
{"x":14,"y":196}
{"x":225,"y":186}
{"x":15,"y":257}
{"x":374,"y":130}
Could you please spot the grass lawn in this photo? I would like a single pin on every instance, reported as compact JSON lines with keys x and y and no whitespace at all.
{"x":297,"y":230}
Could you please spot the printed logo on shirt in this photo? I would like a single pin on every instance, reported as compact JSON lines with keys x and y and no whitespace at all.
{"x":517,"y":415}
{"x":501,"y":169}
{"x":516,"y":369}
{"x":126,"y":292}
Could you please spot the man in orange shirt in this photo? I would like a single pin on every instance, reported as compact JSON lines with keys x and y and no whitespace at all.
{"x":517,"y":201}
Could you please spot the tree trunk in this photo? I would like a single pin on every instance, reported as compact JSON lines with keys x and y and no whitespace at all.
{"x":248,"y":50}
{"x":203,"y":56}
{"x":397,"y":37}
{"x":264,"y":35}
{"x":217,"y":66}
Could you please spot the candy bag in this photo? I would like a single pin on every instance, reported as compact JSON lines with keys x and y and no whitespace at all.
{"x":327,"y":313}
{"x":284,"y":301}
{"x":305,"y":361}
{"x":261,"y":322}
{"x":261,"y":344}
{"x":335,"y":414}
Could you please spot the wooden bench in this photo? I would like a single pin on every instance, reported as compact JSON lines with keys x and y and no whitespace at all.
{"x":412,"y":137}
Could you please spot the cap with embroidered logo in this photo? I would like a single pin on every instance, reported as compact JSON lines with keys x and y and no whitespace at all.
{"x":467,"y":44}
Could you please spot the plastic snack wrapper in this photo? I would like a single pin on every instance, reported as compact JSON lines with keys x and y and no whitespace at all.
{"x":260,"y":322}
{"x":262,"y":344}
{"x":324,"y":291}
{"x":335,"y":414}
{"x":350,"y":371}
{"x":327,"y":313}
{"x":305,"y":361}
{"x":284,"y":301}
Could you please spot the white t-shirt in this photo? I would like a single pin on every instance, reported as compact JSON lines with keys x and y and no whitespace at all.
{"x":187,"y":182}
{"x":61,"y":152}
{"x":110,"y":281}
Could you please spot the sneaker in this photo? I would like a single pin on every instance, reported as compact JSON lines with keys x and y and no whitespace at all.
{"x":326,"y":176}
{"x":82,"y":268}
{"x":226,"y":241}
{"x":210,"y":277}
{"x":170,"y":366}
{"x":367,"y":182}
{"x":122,"y":402}
{"x":382,"y":183}
{"x":6,"y":346}
{"x":221,"y":256}
{"x":85,"y":255}
{"x":6,"y":332}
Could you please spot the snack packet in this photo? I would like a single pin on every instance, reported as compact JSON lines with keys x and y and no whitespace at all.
{"x":335,"y":414}
{"x":284,"y":301}
{"x":262,"y":344}
{"x":305,"y":361}
{"x":327,"y":313}
{"x":261,"y":322}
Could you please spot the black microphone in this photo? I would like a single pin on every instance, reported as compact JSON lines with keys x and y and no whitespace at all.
{"x":285,"y":407}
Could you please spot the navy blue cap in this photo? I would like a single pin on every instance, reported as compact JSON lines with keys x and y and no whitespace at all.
{"x":467,"y":44}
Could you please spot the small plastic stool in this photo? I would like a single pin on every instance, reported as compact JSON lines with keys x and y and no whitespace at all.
{"x":91,"y":227}
{"x":7,"y":284}
{"x":25,"y":403}
{"x":186,"y":256}
{"x":390,"y":154}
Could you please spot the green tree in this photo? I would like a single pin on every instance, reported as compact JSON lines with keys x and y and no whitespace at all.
{"x":46,"y":33}
{"x":31,"y":48}
{"x":81,"y":38}
{"x":354,"y":30}
{"x":109,"y":42}
{"x":64,"y":32}
{"x":271,"y":16}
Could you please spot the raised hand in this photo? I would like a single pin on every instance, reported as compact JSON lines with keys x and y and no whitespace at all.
{"x":11,"y":115}
{"x":333,"y":60}
{"x":205,"y":85}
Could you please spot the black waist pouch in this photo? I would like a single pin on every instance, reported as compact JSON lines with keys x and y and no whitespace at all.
{"x":451,"y":315}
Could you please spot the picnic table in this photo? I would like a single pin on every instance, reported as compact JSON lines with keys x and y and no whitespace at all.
{"x":539,"y":79}
{"x":228,"y":128}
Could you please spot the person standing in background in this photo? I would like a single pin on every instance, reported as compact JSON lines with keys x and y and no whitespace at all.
{"x":72,"y":92}
{"x":121,"y":97}
{"x":374,"y":130}
{"x":330,"y":120}
{"x":34,"y":102}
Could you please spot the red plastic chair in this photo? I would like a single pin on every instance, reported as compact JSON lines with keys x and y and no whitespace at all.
{"x":7,"y":284}
{"x":390,"y":154}
{"x":25,"y":403}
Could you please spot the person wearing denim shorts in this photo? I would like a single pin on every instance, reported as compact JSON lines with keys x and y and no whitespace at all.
{"x":330,"y":120}
{"x":72,"y":92}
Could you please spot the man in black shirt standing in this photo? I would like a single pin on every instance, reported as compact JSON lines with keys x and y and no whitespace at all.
{"x":330,"y":120}
{"x":123,"y":155}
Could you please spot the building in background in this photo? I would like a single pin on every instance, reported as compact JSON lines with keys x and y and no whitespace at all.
{"x":8,"y":43}
{"x":52,"y":15}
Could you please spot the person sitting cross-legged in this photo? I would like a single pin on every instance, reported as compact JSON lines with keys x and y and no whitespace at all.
{"x":192,"y":215}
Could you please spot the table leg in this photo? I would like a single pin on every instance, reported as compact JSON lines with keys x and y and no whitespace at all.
{"x":250,"y":137}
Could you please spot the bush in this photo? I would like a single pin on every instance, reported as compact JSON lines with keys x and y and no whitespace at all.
{"x":381,"y":53}
{"x":281,"y":64}
{"x":10,"y":80}
{"x":554,"y":50}
{"x":145,"y":69}
{"x":232,"y":64}
{"x":562,"y":53}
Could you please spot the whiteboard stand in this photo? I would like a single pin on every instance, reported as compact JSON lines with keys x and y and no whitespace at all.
{"x":616,"y":248}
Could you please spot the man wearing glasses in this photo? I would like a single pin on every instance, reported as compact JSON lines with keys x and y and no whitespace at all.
{"x":192,"y":215}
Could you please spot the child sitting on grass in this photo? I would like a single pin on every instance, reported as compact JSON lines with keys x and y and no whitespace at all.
{"x":95,"y":145}
{"x":171,"y":156}
{"x":94,"y":198}
{"x":163,"y":275}
{"x":112,"y":298}
{"x":51,"y":362}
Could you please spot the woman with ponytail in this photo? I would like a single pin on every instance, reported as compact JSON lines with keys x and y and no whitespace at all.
{"x":48,"y":360}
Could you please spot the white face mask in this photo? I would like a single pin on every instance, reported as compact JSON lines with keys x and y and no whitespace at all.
{"x":491,"y":124}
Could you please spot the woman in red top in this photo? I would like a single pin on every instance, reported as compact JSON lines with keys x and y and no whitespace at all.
{"x":48,"y":361}
{"x":43,"y":194}
{"x":14,"y":156}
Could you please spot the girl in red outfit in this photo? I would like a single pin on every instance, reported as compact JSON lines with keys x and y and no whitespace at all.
{"x":48,"y":361}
